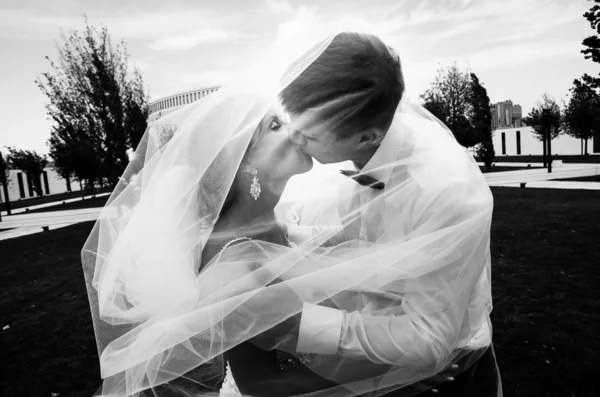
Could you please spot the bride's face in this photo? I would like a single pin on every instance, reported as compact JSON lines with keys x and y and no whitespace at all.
{"x":273,"y":154}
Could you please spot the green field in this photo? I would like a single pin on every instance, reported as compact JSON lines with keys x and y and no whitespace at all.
{"x":546,"y":291}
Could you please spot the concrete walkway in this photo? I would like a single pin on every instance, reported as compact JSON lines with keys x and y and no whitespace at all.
{"x":23,"y":223}
{"x":561,"y":171}
{"x":50,"y":204}
{"x":557,"y":185}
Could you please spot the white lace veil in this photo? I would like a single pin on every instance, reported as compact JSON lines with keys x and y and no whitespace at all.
{"x":157,"y":320}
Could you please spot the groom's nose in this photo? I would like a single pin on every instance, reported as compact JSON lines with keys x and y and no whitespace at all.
{"x":296,"y":137}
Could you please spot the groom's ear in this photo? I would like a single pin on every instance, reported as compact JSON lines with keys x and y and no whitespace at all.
{"x":370,"y":137}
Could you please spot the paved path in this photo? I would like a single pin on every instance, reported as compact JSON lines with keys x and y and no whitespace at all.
{"x":563,"y":171}
{"x":50,"y":218}
{"x":51,"y":204}
{"x":23,"y":223}
{"x":557,"y":185}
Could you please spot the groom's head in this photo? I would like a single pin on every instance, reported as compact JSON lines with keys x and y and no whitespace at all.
{"x":343,"y":103}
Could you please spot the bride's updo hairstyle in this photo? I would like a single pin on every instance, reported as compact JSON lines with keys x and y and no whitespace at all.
{"x":355,"y":84}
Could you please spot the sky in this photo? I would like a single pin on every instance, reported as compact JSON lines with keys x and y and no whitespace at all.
{"x":519,"y":49}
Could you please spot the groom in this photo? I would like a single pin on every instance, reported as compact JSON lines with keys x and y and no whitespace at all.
{"x":341,"y":109}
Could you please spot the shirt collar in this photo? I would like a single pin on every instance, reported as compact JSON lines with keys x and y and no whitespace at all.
{"x":381,"y":165}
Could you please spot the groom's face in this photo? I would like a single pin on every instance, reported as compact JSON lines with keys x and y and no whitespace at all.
{"x":316,"y":138}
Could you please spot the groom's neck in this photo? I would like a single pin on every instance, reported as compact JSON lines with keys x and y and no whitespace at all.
{"x":363,"y":158}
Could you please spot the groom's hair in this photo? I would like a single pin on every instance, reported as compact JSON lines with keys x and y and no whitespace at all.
{"x":356,"y":83}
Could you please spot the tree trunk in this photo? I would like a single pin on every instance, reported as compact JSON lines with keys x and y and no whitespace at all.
{"x":586,"y":147}
{"x":91,"y":185}
{"x":544,"y":143}
{"x":4,"y":181}
{"x":7,"y":203}
{"x":549,"y":151}
{"x":81,"y":190}
{"x":38,"y":185}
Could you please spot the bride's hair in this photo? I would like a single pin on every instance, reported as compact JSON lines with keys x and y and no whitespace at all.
{"x":357,"y":82}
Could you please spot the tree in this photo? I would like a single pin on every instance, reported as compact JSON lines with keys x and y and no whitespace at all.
{"x":99,"y":107}
{"x":460,"y":101}
{"x":75,"y":154}
{"x":481,"y":119}
{"x":448,"y":100}
{"x":582,"y":113}
{"x":31,"y":163}
{"x":4,"y":179}
{"x":4,"y":170}
{"x":545,"y":118}
{"x":486,"y":153}
{"x":592,"y":43}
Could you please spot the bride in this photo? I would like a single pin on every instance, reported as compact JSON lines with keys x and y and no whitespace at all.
{"x":249,"y":211}
{"x":248,"y":214}
{"x":204,"y":179}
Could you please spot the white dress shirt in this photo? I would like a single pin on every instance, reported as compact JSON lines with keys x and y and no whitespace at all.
{"x":398,"y":338}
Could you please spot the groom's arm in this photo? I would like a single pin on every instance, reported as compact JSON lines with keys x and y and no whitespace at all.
{"x":420,"y":334}
{"x":430,"y":323}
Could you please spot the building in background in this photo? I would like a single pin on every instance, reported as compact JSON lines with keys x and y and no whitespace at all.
{"x":506,"y":115}
{"x":512,"y":137}
{"x":522,"y":141}
{"x":165,"y":105}
{"x":20,"y":186}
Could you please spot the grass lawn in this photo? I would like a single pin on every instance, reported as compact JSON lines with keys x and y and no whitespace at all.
{"x":545,"y":284}
{"x":50,"y":346}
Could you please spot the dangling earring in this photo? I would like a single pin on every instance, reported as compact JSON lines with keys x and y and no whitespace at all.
{"x":255,"y":186}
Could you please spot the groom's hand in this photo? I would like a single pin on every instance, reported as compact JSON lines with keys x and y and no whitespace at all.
{"x":431,"y":384}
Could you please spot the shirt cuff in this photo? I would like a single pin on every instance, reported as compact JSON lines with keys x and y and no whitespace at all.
{"x":320,"y":329}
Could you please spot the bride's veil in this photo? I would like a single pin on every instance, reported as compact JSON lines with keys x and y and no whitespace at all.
{"x":156,"y":318}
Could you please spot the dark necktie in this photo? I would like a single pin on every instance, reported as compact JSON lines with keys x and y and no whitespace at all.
{"x":364,"y":180}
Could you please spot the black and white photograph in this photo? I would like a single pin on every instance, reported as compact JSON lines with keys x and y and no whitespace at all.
{"x":280,"y":198}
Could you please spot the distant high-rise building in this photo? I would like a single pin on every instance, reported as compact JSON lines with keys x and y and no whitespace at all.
{"x":506,"y":115}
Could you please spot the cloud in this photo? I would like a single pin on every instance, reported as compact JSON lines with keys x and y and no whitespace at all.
{"x":190,"y":40}
{"x":153,"y":25}
{"x":209,"y":77}
{"x":279,"y":6}
{"x":520,"y":49}
{"x":23,"y":24}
